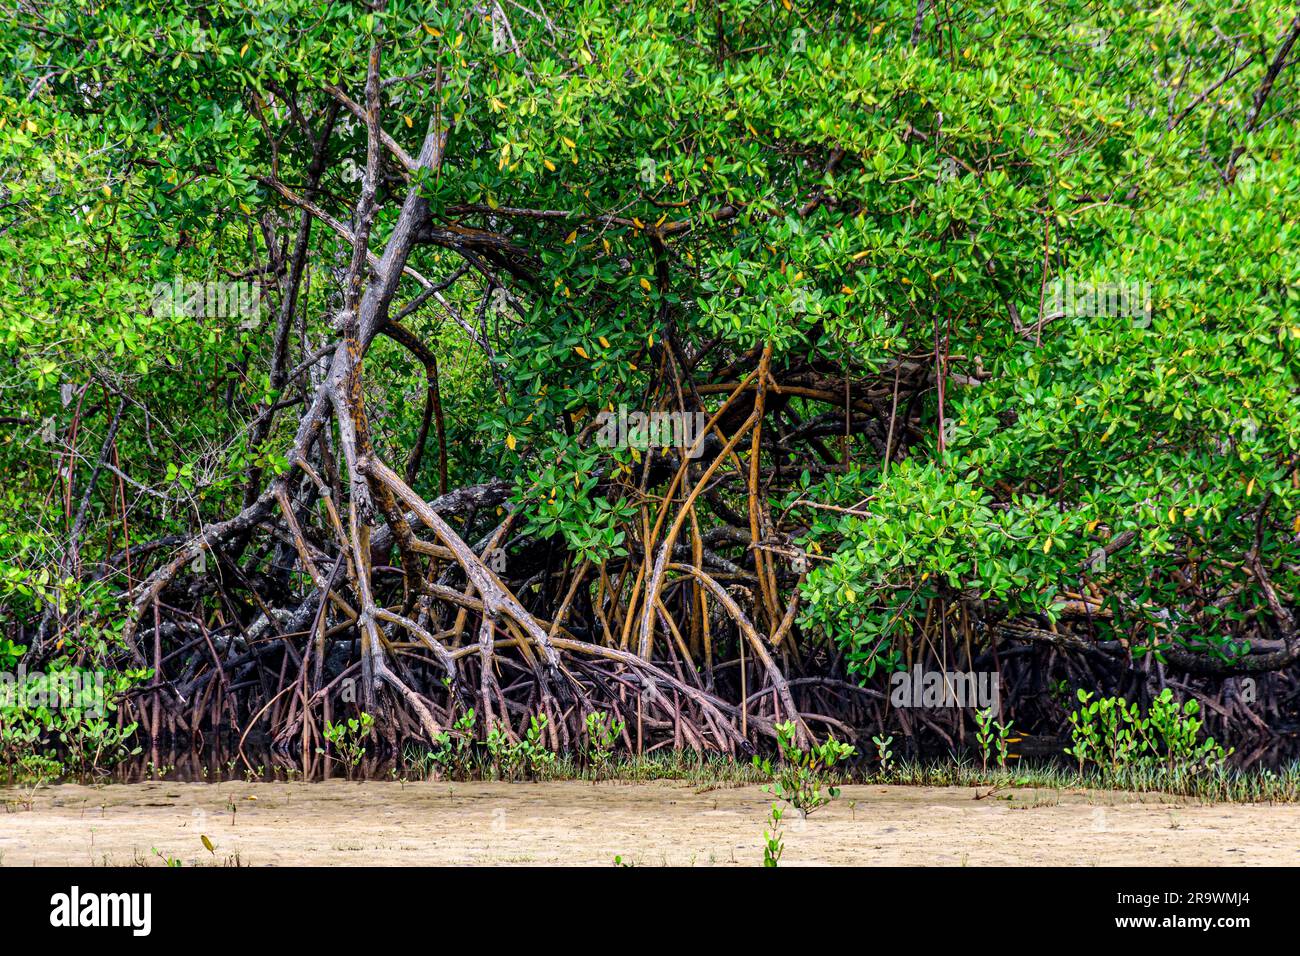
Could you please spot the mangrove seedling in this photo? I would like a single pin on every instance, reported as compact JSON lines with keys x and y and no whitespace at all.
{"x":602,"y":733}
{"x":799,"y":774}
{"x":773,"y":845}
{"x":349,"y":739}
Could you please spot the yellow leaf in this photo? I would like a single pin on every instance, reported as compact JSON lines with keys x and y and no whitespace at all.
{"x":549,"y":165}
{"x":243,"y":49}
{"x":846,"y":290}
{"x":604,"y":342}
{"x":650,"y":340}
{"x":786,"y":4}
{"x":570,"y":237}
{"x":207,"y":844}
{"x":1173,"y":514}
{"x":432,"y":31}
{"x":1047,"y":545}
{"x":581,"y":351}
{"x":638,"y":223}
{"x":568,"y":142}
{"x":1250,"y":487}
{"x":860,"y":255}
{"x":510,"y":442}
{"x":407,"y":120}
{"x":645,"y":283}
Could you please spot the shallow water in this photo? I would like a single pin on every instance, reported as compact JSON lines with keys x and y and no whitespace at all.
{"x":223,"y":761}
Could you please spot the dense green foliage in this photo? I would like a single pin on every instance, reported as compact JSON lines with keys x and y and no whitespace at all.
{"x":639,"y":204}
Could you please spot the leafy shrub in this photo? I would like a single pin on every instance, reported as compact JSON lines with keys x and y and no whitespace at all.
{"x":602,"y":734}
{"x":799,"y":774}
{"x":349,"y":739}
{"x":1114,"y":736}
{"x":992,"y":736}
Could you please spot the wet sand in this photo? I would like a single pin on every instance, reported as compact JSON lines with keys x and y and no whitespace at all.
{"x":647,"y":824}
